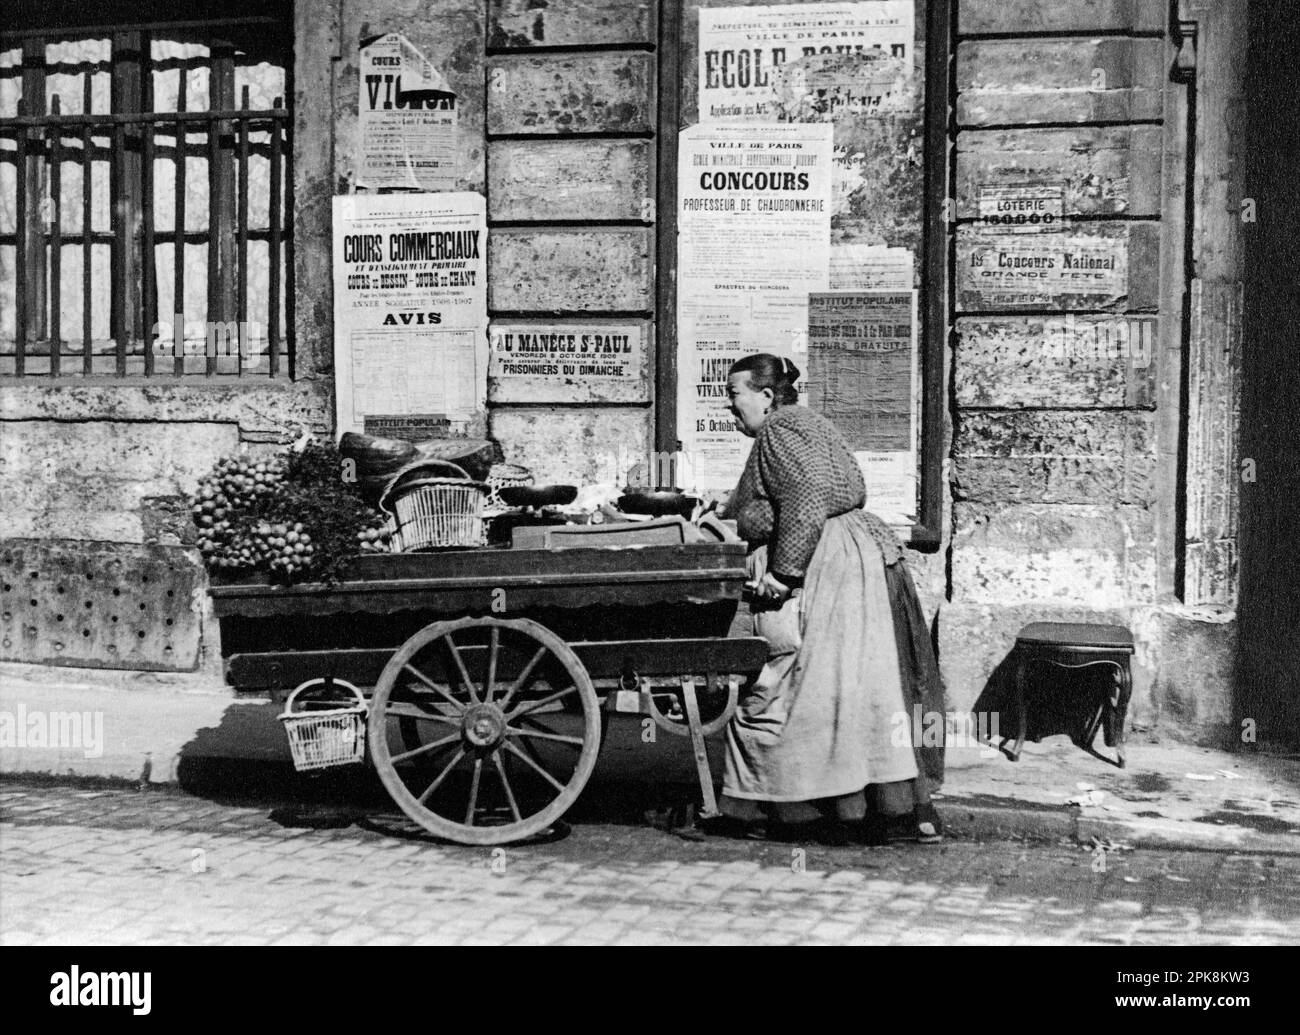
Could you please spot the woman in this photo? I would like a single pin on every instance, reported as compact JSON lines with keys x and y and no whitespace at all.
{"x":828,"y":728}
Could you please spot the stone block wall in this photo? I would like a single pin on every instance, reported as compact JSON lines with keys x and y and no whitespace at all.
{"x":1064,"y":465}
{"x":571,"y":123}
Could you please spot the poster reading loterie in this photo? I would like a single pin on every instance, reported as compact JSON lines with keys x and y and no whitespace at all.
{"x":407,"y":118}
{"x":753,"y":241}
{"x":410,"y":311}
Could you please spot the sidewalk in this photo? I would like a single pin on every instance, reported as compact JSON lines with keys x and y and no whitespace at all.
{"x":1171,"y":795}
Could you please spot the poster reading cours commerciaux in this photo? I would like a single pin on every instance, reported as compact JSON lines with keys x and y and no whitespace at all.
{"x":410,"y":312}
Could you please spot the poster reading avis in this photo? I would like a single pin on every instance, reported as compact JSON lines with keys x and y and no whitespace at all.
{"x":410,"y":313}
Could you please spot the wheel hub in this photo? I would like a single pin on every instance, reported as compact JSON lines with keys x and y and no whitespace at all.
{"x":483,"y":726}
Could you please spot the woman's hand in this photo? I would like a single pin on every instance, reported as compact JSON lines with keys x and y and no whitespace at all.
{"x":769,"y":588}
{"x":716,"y":502}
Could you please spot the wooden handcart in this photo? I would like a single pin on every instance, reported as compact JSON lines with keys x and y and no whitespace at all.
{"x":490,"y":675}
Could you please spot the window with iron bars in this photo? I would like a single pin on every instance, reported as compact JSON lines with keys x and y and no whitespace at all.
{"x":146,"y":198}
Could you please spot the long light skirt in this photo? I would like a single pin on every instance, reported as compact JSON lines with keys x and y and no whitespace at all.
{"x":817,"y":722}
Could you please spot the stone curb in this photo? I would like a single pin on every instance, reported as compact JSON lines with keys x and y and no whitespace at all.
{"x":980,"y":821}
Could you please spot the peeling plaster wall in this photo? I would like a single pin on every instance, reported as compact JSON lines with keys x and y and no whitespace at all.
{"x":543,"y":275}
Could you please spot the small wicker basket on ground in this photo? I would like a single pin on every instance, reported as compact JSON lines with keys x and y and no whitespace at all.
{"x":432,"y":511}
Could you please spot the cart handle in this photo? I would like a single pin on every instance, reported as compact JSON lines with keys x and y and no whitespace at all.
{"x":458,"y":474}
{"x":319,"y":681}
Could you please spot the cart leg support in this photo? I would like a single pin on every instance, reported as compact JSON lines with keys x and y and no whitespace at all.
{"x":697,"y":746}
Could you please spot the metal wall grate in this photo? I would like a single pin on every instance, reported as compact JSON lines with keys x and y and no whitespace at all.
{"x":99,"y":605}
{"x":111,"y":279}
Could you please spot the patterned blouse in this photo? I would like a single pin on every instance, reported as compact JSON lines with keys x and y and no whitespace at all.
{"x":800,"y":472}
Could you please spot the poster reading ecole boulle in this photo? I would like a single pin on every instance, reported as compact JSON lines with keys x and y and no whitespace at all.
{"x":805,"y":62}
{"x":410,"y":311}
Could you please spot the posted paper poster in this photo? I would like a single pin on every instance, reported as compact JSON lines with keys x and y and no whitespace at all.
{"x":805,"y":62}
{"x":996,"y":269}
{"x":410,"y":311}
{"x":713,"y":450}
{"x":538,"y":361}
{"x":753,"y":241}
{"x":1021,"y":207}
{"x":862,"y":375}
{"x":871,"y":267}
{"x":407,"y":119}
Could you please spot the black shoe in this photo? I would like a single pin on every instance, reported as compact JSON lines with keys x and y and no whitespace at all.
{"x":730,"y":827}
{"x":873,"y":831}
{"x":838,"y":833}
{"x":921,"y":826}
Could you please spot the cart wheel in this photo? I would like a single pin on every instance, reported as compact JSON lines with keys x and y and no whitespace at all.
{"x":470,"y":733}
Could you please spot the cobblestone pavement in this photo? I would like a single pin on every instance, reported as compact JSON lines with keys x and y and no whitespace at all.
{"x":116,"y":867}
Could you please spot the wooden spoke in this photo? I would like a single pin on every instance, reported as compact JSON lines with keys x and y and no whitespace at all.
{"x":544,"y":736}
{"x":402,"y":711}
{"x":532,"y":706}
{"x":473,"y":791}
{"x":510,"y":795}
{"x":495,"y":643}
{"x":441,"y":776}
{"x":460,"y":665}
{"x":431,"y":746}
{"x":553,"y":781}
{"x":443,"y":807}
{"x":460,"y":706}
{"x":522,"y":679}
{"x":531,"y":749}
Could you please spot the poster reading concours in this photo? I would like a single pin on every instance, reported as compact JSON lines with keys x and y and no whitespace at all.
{"x":753,"y":240}
{"x":410,"y":312}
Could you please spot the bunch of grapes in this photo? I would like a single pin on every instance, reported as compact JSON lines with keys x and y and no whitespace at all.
{"x":246,"y":481}
{"x":282,"y":547}
{"x":375,"y":537}
{"x":236,"y":488}
{"x":286,"y":514}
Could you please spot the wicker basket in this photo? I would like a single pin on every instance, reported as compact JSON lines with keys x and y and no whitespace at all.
{"x":433,"y":511}
{"x":327,"y":736}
